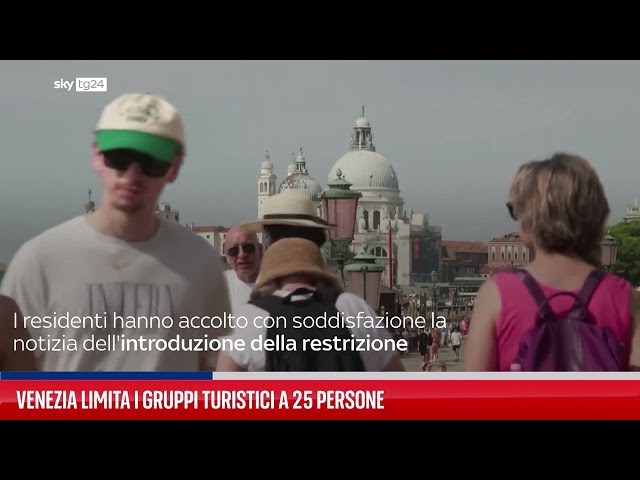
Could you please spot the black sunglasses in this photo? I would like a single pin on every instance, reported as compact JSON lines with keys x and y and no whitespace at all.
{"x":247,"y":248}
{"x":121,"y":160}
{"x":510,"y":208}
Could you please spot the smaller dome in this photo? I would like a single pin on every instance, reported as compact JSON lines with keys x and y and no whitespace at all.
{"x":362,"y":122}
{"x":266,"y":164}
{"x":302,"y":183}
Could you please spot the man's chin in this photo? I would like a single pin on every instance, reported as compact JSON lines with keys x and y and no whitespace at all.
{"x":128,"y":207}
{"x":245,"y":276}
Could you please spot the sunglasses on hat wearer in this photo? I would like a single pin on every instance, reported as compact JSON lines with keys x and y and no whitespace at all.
{"x":122,"y":159}
{"x":511,"y":212}
{"x":247,"y":248}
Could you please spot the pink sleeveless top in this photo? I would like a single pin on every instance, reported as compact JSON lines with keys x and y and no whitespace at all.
{"x":609,"y":305}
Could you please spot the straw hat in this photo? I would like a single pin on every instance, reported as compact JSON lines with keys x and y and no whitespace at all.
{"x":294,"y":256}
{"x":289,"y":208}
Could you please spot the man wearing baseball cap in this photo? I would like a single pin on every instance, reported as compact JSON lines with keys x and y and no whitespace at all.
{"x":129,"y":283}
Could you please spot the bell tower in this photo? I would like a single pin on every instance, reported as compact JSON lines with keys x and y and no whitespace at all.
{"x":266,"y":182}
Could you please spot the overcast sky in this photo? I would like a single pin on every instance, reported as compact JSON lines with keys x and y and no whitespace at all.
{"x":455,"y":131}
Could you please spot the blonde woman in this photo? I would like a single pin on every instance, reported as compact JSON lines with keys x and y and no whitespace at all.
{"x":561,"y":208}
{"x":12,"y":328}
{"x":294,"y":268}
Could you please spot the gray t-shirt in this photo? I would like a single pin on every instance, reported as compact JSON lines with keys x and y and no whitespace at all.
{"x":74,"y":270}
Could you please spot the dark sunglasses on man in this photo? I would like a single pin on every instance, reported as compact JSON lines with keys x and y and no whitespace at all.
{"x":511,"y":211}
{"x":247,"y":248}
{"x":122,"y":159}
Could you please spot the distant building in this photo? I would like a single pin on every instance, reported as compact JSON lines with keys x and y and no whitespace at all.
{"x":213,"y":234}
{"x":633,"y":213}
{"x":164,"y":211}
{"x":462,"y":259}
{"x":403,"y":241}
{"x":507,"y":252}
{"x":298,"y":178}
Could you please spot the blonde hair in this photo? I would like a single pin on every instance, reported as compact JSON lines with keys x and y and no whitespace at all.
{"x":561,"y":204}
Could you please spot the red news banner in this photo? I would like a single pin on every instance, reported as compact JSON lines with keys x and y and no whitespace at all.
{"x":320,"y":399}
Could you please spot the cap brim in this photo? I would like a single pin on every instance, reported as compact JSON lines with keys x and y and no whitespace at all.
{"x":160,"y":148}
{"x":259,"y":225}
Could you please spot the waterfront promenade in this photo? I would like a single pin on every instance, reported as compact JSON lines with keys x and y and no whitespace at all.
{"x":413,"y":361}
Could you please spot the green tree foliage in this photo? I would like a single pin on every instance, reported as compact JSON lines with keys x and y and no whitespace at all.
{"x":627,"y":265}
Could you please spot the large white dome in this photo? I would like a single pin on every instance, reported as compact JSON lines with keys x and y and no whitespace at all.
{"x":365,"y":169}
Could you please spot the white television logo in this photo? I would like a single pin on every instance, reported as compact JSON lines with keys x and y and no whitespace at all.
{"x":82,"y":84}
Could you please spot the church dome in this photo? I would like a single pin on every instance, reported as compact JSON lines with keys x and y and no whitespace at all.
{"x":302,"y":183}
{"x":299,"y":179}
{"x":362,"y":166}
{"x":365,"y":169}
{"x":266,"y":165}
{"x":362,"y":122}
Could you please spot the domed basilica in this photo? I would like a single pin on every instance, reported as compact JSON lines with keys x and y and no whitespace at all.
{"x":401,"y":239}
{"x":298,"y":178}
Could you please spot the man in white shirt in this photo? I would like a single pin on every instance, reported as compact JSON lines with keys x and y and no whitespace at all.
{"x":244,"y":256}
{"x":130,"y":285}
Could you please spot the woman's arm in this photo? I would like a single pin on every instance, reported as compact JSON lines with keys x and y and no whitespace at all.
{"x":480,"y":350}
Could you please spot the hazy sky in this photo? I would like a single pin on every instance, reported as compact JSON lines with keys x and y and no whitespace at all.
{"x":455,"y":131}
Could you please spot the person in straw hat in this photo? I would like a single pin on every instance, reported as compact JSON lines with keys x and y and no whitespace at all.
{"x":287,"y":214}
{"x":290,"y":214}
{"x":288,"y":265}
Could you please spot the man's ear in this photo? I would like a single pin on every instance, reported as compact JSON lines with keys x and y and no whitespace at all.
{"x":173,"y":172}
{"x":97,"y":160}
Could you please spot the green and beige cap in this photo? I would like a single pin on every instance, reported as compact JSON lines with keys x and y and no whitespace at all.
{"x":143,"y":122}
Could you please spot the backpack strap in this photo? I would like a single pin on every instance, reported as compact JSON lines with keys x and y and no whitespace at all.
{"x":328,"y":295}
{"x":579,"y":308}
{"x":272,"y":302}
{"x":267,"y":302}
{"x":536,"y":292}
{"x":299,"y":291}
{"x":589,"y":287}
{"x":583,"y":297}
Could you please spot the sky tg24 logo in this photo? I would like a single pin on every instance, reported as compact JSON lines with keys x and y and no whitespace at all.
{"x":82,"y":84}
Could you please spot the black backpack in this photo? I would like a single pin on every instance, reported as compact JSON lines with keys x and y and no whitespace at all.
{"x":319,"y":303}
